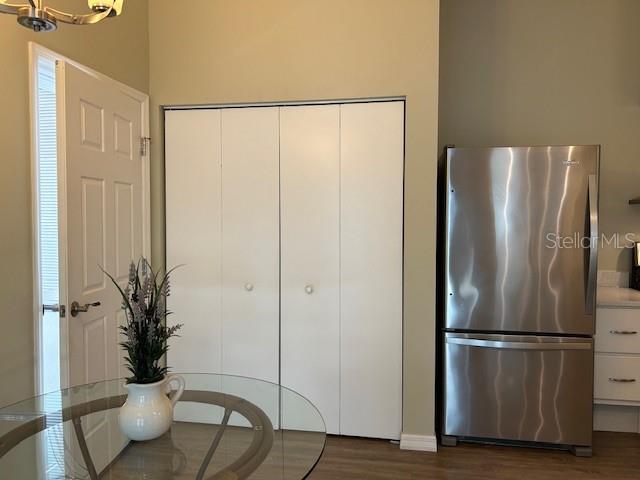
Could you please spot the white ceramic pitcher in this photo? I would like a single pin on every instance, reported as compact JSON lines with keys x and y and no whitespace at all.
{"x":148,"y":411}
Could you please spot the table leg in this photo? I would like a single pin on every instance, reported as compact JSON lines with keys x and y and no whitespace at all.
{"x":214,"y":445}
{"x":86,"y":456}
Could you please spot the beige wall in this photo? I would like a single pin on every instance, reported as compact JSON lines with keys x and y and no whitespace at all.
{"x":549,"y":72}
{"x":277,"y":50}
{"x":118,"y":48}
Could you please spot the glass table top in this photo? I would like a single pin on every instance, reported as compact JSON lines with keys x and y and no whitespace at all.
{"x":277,"y":434}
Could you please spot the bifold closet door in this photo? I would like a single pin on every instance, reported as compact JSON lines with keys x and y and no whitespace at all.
{"x":371,"y":206}
{"x":251,"y":242}
{"x":310,"y":292}
{"x":194,"y":239}
{"x":251,"y":255}
{"x":288,"y":221}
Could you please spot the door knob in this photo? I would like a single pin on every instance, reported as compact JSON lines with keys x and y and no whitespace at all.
{"x":248,"y":287}
{"x":308,"y":289}
{"x":76,"y":308}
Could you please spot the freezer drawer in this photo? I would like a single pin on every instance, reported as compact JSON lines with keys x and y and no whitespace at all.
{"x":523,"y":388}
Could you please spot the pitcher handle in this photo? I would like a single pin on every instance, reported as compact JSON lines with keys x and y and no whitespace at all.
{"x":175,"y":396}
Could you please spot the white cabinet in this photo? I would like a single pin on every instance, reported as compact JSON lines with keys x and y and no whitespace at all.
{"x":618,"y":330}
{"x":617,"y":356}
{"x":617,"y":378}
{"x":617,"y":363}
{"x":289,"y":221}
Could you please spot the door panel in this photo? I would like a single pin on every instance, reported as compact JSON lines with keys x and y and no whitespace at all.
{"x":194,"y":231}
{"x":519,"y":388}
{"x":250,"y":243}
{"x":125,"y":229}
{"x":251,"y":250}
{"x":95,"y":349}
{"x":310,"y":210}
{"x":94,"y":233}
{"x":123,"y":137}
{"x":507,"y":210}
{"x":371,"y":180}
{"x":92,"y":125}
{"x":121,"y":318}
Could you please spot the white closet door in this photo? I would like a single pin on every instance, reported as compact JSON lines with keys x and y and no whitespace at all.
{"x":250,"y":243}
{"x":372,"y":152}
{"x":309,"y":162}
{"x":193,"y":223}
{"x":251,"y":254}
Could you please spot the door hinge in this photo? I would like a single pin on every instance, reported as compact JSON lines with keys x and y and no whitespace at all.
{"x":144,"y":146}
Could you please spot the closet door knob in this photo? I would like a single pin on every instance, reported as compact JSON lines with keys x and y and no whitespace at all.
{"x":248,"y":287}
{"x":308,"y":289}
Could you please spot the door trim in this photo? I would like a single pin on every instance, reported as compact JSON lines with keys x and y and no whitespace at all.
{"x":291,"y":103}
{"x":37,"y":51}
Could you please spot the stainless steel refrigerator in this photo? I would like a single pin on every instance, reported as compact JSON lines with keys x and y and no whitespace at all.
{"x":520,"y":272}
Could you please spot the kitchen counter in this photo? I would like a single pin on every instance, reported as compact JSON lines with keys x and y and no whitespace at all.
{"x":618,"y":297}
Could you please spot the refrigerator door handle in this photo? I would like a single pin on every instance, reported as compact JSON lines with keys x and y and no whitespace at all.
{"x":592,"y":274}
{"x":518,"y":345}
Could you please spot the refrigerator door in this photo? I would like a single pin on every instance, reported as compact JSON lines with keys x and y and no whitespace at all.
{"x":522,"y":388}
{"x":518,"y":252}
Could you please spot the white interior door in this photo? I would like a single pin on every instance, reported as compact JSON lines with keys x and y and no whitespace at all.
{"x":310,"y":213}
{"x":102,"y":226}
{"x":194,"y":241}
{"x":371,"y":205}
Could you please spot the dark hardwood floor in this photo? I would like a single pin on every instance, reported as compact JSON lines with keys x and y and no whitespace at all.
{"x":178,"y":455}
{"x":616,"y":456}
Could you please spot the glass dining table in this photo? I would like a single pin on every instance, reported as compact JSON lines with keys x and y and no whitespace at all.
{"x":225,"y":427}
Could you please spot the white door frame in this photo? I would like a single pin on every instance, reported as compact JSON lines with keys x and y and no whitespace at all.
{"x":37,"y":51}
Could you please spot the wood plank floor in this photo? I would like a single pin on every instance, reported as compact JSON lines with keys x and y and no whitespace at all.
{"x":616,"y":457}
{"x":177,"y":456}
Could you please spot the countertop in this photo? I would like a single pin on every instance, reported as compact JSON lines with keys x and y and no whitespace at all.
{"x":618,"y":297}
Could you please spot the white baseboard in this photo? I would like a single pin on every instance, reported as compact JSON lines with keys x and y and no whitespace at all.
{"x":422,"y":443}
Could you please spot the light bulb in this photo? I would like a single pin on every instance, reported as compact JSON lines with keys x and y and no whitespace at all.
{"x":100,"y":5}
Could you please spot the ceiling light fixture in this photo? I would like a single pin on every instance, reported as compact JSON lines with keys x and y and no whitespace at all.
{"x":40,"y":18}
